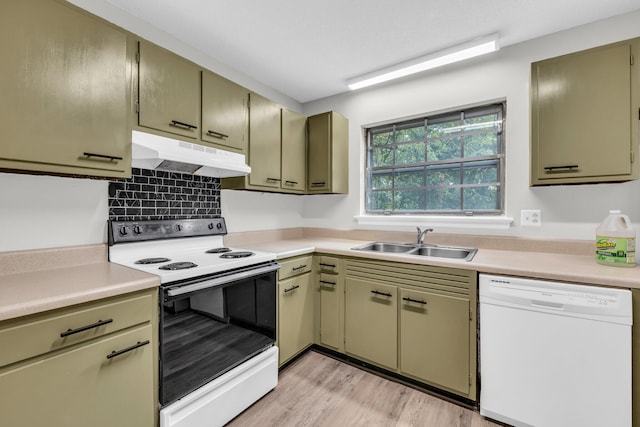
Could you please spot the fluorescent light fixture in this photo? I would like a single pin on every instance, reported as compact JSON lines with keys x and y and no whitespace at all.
{"x":433,"y":60}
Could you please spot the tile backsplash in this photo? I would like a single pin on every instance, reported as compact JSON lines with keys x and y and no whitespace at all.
{"x":151,"y":194}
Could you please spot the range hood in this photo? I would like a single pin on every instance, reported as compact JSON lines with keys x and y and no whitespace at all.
{"x":160,"y":153}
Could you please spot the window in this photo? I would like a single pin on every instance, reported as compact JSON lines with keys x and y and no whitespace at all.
{"x":444,"y":164}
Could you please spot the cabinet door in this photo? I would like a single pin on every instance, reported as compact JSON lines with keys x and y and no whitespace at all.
{"x":434,"y":339}
{"x":295,"y":316}
{"x":169,"y":92}
{"x":329,"y":311}
{"x":319,"y":158}
{"x":65,"y":84}
{"x":328,"y":159}
{"x":581,"y":116}
{"x":294,"y":151}
{"x":371,"y":321}
{"x":264,"y":142}
{"x":82,"y":387}
{"x":224,"y":112}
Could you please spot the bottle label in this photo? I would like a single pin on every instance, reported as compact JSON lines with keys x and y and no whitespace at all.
{"x":615,"y":250}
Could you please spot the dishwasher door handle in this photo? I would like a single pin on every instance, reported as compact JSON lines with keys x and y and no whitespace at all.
{"x":546,"y":304}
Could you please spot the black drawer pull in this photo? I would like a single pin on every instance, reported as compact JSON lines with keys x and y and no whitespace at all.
{"x":291,"y":182}
{"x":293,"y":288}
{"x":419,"y":301}
{"x":217,"y":134}
{"x":300,"y":267}
{"x":101,"y":156}
{"x":128,"y":349}
{"x":326,"y":282}
{"x":570,"y":168}
{"x":273,"y":180}
{"x":318,"y":184}
{"x":384,"y":294}
{"x":327,"y":265}
{"x":85,"y":328}
{"x":182,"y":125}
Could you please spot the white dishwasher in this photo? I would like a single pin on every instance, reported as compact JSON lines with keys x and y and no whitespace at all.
{"x":554,"y":354}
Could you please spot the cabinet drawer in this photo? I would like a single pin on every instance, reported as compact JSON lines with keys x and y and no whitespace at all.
{"x":329,"y":264}
{"x":328,"y":279}
{"x":52,"y":331}
{"x":294,"y":266}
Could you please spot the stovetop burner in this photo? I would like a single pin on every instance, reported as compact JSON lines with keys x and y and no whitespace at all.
{"x":238,"y":254}
{"x":178,"y":266}
{"x":218,"y":250}
{"x":152,"y":260}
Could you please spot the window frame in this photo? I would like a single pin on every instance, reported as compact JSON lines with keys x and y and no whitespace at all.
{"x":462,"y":163}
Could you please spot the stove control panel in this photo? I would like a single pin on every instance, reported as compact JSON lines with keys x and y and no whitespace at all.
{"x":137,"y":231}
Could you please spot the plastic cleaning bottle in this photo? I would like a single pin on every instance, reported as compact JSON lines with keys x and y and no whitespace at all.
{"x":616,"y":241}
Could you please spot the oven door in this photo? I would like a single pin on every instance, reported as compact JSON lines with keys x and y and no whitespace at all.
{"x":209,"y":325}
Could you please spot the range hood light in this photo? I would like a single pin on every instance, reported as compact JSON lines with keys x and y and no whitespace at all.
{"x":160,"y":153}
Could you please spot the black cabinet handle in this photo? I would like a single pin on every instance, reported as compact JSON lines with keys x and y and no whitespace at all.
{"x":318,"y":184}
{"x":101,"y":156}
{"x":327,"y":265}
{"x":384,"y":294}
{"x":217,"y":134}
{"x":273,"y":180}
{"x":419,"y":301}
{"x":570,"y":168}
{"x":182,"y":125}
{"x":291,"y":182}
{"x":293,"y":288}
{"x":299,"y":267}
{"x":326,"y":282}
{"x":128,"y":349}
{"x":85,"y":328}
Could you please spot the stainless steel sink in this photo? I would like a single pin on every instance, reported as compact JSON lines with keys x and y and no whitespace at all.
{"x":386,"y":247}
{"x":465,"y":254}
{"x":445,"y":252}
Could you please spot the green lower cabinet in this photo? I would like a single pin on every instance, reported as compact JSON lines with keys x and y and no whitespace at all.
{"x":418,"y":321}
{"x":295,"y":316}
{"x":434,"y":339}
{"x":329,"y":303}
{"x":371,"y":326}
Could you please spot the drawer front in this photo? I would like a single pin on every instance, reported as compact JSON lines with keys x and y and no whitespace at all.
{"x":328,"y":279}
{"x":295,"y":266}
{"x":63,"y":328}
{"x":329,"y":264}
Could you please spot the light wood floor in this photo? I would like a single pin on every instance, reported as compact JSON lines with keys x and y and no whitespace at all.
{"x":317,"y":390}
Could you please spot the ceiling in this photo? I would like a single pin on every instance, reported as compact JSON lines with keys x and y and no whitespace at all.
{"x":308,"y":49}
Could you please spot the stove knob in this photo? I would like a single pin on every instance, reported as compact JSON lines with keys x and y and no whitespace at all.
{"x":178,"y":227}
{"x":219,"y":226}
{"x":137,"y":229}
{"x":210,"y":226}
{"x":123,"y":230}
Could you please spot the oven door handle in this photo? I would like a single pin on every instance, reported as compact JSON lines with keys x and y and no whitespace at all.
{"x":222,"y":280}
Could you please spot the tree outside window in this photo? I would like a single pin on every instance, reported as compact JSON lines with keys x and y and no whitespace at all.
{"x":450,"y":163}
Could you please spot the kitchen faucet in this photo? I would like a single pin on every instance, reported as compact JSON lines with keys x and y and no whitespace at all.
{"x":422,"y":233}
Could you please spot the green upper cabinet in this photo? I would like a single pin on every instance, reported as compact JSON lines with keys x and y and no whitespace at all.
{"x":264,"y":142}
{"x":584,"y":116}
{"x":224,"y":112}
{"x":168,"y":92}
{"x":276,"y":149}
{"x":294,"y":151}
{"x":328,"y":154}
{"x":66,"y":79}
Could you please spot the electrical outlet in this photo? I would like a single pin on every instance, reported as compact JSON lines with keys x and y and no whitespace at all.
{"x":531,"y":218}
